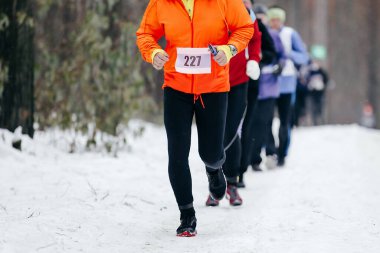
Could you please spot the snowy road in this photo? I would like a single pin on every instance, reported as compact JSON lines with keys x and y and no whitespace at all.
{"x":327,"y":199}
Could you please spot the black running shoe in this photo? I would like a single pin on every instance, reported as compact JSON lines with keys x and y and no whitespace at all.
{"x":257,"y":168}
{"x":187,"y":227}
{"x":217,"y":184}
{"x":281,"y":162}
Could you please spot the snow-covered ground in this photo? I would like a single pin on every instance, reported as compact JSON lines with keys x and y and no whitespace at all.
{"x":327,"y":199}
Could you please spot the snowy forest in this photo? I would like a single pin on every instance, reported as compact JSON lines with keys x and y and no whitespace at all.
{"x":85,"y":151}
{"x":72,"y":63}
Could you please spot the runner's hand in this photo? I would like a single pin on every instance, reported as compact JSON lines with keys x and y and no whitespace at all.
{"x":221,"y":58}
{"x":159,"y":60}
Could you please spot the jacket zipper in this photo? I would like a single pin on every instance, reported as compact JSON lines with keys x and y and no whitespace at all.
{"x":192,"y":46}
{"x":192,"y":36}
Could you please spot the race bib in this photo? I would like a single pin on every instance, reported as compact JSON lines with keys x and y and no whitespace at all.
{"x":193,"y":61}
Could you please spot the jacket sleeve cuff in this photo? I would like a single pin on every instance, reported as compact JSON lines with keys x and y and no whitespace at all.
{"x":155,"y":51}
{"x":226,"y":49}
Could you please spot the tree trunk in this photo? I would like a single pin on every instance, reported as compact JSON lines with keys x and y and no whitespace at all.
{"x":17,"y":54}
{"x":373,"y":62}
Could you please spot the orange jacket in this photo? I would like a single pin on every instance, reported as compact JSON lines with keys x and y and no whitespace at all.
{"x":212,"y":20}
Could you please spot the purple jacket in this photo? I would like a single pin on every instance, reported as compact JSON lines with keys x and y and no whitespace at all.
{"x":269,"y":86}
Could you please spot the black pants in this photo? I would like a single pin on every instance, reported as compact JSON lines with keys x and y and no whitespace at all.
{"x":299,"y":107}
{"x":270,"y":145}
{"x":317,"y":101}
{"x":237,"y":104}
{"x":247,"y":133}
{"x":179,"y":109}
{"x":262,"y":121}
{"x":284,"y":107}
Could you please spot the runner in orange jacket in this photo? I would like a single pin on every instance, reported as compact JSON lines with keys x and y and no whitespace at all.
{"x":195,"y":83}
{"x":210,"y":23}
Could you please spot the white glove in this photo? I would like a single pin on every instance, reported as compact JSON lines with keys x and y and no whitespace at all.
{"x":253,"y":70}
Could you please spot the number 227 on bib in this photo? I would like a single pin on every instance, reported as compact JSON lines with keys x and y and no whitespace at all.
{"x":193,"y":61}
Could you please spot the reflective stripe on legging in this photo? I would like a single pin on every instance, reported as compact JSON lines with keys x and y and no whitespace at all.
{"x":238,"y":131}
